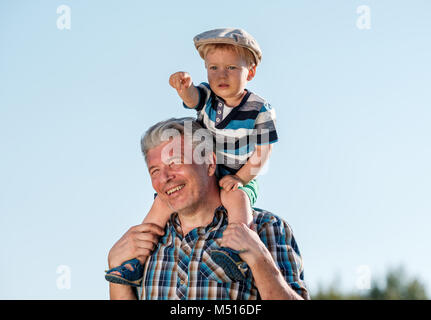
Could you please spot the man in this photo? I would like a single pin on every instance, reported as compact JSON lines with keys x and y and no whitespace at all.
{"x":178,"y":264}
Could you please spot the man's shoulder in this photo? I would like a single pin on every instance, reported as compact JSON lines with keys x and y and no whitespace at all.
{"x":272,"y":229}
{"x":263,"y":218}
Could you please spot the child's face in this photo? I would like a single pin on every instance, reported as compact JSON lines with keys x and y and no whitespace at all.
{"x":228,"y":74}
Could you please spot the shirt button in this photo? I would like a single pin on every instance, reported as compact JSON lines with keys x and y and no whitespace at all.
{"x":218,"y":120}
{"x":219,"y":112}
{"x":220,"y":104}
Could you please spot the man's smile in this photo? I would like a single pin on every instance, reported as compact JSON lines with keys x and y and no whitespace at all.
{"x":174,"y":189}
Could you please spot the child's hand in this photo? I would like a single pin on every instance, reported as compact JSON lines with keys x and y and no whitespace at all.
{"x":180,"y":81}
{"x":230,"y":182}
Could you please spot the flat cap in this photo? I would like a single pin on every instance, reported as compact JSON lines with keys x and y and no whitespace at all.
{"x":238,"y":37}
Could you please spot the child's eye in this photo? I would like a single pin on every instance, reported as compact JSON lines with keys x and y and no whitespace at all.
{"x":213,"y":68}
{"x":231,"y":68}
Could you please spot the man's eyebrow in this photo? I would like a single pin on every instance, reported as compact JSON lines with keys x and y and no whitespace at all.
{"x":165,"y":161}
{"x":150,"y":168}
{"x":174,"y":157}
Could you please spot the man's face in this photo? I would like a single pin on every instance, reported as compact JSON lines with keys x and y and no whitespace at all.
{"x":176,"y":182}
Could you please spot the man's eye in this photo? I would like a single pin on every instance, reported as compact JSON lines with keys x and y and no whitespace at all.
{"x":154,"y":172}
{"x":174,"y":163}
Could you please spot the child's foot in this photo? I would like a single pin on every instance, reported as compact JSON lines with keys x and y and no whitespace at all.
{"x":129,"y":273}
{"x":231,"y":263}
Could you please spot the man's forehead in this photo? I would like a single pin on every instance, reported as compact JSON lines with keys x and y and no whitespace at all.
{"x":166,"y":151}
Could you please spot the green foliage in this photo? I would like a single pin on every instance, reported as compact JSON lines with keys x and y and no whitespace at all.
{"x":396,"y":286}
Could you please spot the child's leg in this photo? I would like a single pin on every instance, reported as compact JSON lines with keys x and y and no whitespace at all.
{"x":130,"y":272}
{"x":238,"y":207}
{"x":237,"y":204}
{"x":159,"y":213}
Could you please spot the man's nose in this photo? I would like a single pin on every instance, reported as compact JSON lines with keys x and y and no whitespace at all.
{"x":166,"y":175}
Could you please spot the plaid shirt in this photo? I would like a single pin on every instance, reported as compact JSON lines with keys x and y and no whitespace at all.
{"x":181,"y":267}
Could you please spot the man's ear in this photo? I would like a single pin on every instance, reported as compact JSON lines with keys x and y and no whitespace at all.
{"x":212,"y":166}
{"x":251,"y":73}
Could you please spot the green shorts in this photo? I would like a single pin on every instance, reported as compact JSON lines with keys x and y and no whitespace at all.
{"x":251,"y":189}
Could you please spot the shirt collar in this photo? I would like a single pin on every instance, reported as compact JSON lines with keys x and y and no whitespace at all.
{"x":218,"y":100}
{"x":218,"y":221}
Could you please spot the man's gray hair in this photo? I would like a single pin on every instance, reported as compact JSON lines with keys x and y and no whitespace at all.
{"x":187,"y":127}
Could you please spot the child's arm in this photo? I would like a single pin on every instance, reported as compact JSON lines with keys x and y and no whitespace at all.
{"x":182,"y":82}
{"x":249,"y":170}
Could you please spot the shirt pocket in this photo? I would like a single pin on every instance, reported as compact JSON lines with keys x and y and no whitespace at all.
{"x":219,"y":286}
{"x":209,"y":270}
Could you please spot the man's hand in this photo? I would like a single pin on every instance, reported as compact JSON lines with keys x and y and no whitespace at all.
{"x":230,"y":182}
{"x":239,"y":237}
{"x":182,"y":82}
{"x":138,"y":242}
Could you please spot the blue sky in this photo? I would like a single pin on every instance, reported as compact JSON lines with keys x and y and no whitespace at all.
{"x":351,"y":171}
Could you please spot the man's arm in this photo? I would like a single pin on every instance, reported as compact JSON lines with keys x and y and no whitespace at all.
{"x":269,"y":280}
